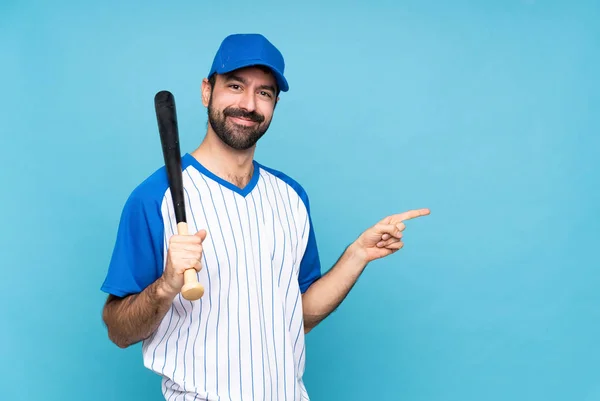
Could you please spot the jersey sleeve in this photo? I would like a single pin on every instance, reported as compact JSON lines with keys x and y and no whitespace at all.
{"x":137,"y":257}
{"x":310,"y":265}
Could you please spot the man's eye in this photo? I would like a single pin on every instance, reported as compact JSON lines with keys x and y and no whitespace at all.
{"x":234,"y":86}
{"x":263,"y":93}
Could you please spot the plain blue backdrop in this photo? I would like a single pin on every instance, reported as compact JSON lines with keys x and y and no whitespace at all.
{"x":484,"y":112}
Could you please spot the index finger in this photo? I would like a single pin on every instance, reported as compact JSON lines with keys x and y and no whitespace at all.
{"x":411,"y":214}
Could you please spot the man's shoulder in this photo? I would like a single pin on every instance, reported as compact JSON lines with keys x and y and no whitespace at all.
{"x":289,"y":180}
{"x":151,"y":190}
{"x":283,"y":176}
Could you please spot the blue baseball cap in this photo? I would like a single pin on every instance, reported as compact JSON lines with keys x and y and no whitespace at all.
{"x":249,"y":49}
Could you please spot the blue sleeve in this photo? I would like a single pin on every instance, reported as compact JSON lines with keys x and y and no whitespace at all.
{"x":310,"y":266}
{"x":137,"y":258}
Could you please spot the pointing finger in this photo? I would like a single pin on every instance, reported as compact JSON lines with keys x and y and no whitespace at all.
{"x":411,"y":214}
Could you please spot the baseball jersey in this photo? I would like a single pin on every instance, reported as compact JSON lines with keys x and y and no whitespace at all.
{"x":244,"y":339}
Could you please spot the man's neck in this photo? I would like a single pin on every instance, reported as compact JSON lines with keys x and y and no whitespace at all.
{"x":229,"y":164}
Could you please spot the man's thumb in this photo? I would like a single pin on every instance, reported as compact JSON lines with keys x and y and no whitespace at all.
{"x":202,"y":234}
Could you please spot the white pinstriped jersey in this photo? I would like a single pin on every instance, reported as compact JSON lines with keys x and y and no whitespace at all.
{"x":244,"y":339}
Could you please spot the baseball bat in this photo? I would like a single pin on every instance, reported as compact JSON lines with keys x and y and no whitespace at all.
{"x":166,"y":115}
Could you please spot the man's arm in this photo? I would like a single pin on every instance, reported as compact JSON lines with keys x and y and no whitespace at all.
{"x":135,"y":317}
{"x":327,"y":293}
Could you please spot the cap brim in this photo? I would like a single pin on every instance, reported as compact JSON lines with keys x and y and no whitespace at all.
{"x":281,"y":81}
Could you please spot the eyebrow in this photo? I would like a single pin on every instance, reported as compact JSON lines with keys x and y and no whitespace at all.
{"x":233,"y":77}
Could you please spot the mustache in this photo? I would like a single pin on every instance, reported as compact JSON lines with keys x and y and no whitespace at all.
{"x":250,"y":115}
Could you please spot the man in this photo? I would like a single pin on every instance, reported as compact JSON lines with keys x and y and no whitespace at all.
{"x":252,"y":244}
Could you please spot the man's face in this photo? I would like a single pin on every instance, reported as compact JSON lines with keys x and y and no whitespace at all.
{"x":241,"y":105}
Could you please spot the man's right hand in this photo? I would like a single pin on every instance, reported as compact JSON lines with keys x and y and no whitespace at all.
{"x":184,"y":252}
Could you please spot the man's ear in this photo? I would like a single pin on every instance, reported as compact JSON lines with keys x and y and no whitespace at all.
{"x":206,"y":92}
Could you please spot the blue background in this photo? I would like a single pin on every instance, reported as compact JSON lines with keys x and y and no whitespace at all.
{"x":484,"y":112}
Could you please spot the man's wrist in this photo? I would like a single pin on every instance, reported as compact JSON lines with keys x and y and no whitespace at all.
{"x":163,"y":291}
{"x":356,"y":255}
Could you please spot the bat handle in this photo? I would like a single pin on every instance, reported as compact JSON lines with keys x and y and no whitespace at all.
{"x":192,"y":289}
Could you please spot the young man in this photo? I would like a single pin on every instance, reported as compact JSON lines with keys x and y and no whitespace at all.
{"x":252,"y":243}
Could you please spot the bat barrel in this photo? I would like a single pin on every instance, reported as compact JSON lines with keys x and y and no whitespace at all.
{"x":166,"y":114}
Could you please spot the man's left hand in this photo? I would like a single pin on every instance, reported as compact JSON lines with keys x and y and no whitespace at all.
{"x":385,"y":237}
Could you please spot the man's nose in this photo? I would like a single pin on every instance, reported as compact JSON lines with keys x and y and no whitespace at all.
{"x":247,"y":101}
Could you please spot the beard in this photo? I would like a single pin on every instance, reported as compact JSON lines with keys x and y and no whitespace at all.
{"x":237,"y":136}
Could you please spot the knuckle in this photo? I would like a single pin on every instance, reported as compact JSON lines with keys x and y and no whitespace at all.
{"x":175,"y":244}
{"x":175,"y":238}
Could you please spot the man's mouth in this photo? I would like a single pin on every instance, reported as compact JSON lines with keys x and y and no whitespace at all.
{"x":243,"y":118}
{"x":243,"y":121}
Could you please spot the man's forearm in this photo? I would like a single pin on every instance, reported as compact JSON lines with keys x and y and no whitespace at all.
{"x":135,"y":317}
{"x":327,"y":293}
